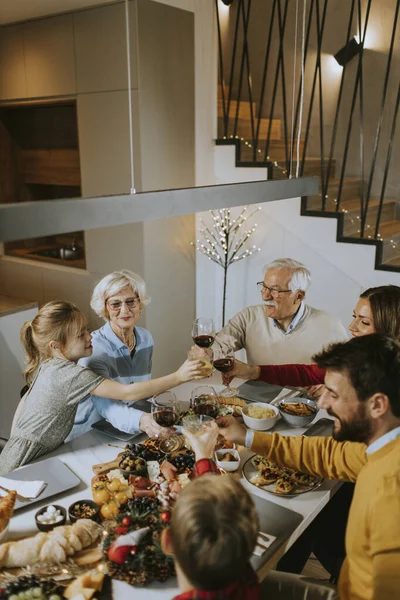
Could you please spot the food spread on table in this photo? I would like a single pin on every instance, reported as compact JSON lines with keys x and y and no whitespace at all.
{"x":6,"y":509}
{"x":262,"y":472}
{"x":297,"y":409}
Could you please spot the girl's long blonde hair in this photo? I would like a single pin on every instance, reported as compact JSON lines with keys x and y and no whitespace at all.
{"x":55,"y":321}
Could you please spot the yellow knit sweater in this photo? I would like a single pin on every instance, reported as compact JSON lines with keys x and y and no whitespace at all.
{"x":371,"y":570}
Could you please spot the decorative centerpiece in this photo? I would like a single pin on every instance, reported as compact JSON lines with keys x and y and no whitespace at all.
{"x":131,"y":547}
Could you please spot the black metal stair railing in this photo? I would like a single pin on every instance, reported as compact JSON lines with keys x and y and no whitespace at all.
{"x":334,"y":137}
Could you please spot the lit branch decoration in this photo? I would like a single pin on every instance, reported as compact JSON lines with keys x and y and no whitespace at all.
{"x":225,"y":241}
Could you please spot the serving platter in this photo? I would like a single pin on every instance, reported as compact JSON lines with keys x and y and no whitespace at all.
{"x":250,"y":471}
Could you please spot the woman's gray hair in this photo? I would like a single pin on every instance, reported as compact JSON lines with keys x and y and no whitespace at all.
{"x":301,"y":277}
{"x":112,"y":284}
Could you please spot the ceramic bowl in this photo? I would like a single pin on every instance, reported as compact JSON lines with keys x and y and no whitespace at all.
{"x":260,"y":424}
{"x":75,"y":505}
{"x":49,"y":526}
{"x":227,"y":465}
{"x":297,"y":420}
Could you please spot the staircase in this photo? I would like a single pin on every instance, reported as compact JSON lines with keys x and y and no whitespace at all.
{"x":347,"y":213}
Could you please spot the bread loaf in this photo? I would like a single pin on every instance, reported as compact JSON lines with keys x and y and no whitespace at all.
{"x":52,"y":547}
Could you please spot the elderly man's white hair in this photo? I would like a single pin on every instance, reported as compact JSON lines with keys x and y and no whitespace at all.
{"x":112,"y":284}
{"x":301,"y":277}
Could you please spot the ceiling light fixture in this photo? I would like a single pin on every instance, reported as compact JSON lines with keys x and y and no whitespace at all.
{"x":349,"y":51}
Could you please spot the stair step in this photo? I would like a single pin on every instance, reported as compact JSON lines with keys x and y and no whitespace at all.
{"x":244,"y":108}
{"x":244,"y":129}
{"x":394,"y":262}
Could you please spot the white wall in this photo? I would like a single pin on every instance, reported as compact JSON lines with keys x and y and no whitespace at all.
{"x":340,"y":271}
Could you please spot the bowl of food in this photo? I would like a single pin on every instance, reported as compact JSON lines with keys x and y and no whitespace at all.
{"x":133,"y":465}
{"x":260,"y":416}
{"x":298,"y":412}
{"x":50,"y":516}
{"x":84,"y":509}
{"x":228,"y":460}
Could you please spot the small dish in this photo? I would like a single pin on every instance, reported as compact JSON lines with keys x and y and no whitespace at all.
{"x":298,"y":420}
{"x":227,"y":465}
{"x":256,"y":423}
{"x":138,"y":466}
{"x":87,"y":509}
{"x":49,"y":526}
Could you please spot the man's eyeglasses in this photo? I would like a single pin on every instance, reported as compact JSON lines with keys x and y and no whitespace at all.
{"x":116,"y":305}
{"x":273,"y":291}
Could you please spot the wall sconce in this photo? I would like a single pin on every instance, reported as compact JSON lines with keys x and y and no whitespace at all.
{"x":349,"y":51}
{"x":227,"y":2}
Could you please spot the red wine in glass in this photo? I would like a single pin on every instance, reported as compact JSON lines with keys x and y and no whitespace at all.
{"x":223,"y":364}
{"x":204,"y":341}
{"x":165,"y":418}
{"x":205,"y":408}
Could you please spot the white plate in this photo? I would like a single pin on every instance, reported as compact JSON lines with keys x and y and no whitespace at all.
{"x":250,"y":471}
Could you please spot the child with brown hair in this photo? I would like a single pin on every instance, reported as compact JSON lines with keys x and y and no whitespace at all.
{"x":213,"y":532}
{"x":54,"y":342}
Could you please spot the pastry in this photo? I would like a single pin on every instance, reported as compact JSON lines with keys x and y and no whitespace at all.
{"x":52,"y":547}
{"x":284,"y":485}
{"x":7,"y":509}
{"x":261,"y":463}
{"x":302,"y":478}
{"x":265,"y":477}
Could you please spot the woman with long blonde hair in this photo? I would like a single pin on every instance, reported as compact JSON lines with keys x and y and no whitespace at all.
{"x":54,"y":342}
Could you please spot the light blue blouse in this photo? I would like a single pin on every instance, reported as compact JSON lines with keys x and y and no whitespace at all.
{"x":111,"y":359}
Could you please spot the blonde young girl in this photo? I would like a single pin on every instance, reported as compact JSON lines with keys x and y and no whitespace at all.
{"x":54,"y":342}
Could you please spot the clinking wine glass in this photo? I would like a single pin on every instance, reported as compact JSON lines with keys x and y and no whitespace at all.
{"x":204,"y":401}
{"x":224,"y":365}
{"x":196,"y":424}
{"x":165,"y":411}
{"x":203,"y":332}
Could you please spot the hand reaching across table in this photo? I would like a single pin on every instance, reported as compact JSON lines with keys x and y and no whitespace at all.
{"x":148,"y":425}
{"x":232,"y":430}
{"x":242,"y":370}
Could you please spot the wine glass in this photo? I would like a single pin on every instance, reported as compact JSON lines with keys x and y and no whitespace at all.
{"x":203,"y":332}
{"x":165,"y":410}
{"x":204,"y":401}
{"x":196,"y":424}
{"x":224,"y":364}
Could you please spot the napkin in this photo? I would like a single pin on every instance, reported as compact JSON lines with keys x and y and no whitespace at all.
{"x":29,"y":489}
{"x":286,"y":393}
{"x":264,"y":541}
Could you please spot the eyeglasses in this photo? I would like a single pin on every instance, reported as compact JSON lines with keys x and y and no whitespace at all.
{"x":273,"y":291}
{"x":116,"y":305}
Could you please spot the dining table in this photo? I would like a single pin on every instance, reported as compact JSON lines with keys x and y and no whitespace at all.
{"x":95,"y":447}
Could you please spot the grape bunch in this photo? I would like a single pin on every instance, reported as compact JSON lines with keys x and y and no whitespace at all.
{"x":138,"y":451}
{"x":31,"y":588}
{"x":183,"y":461}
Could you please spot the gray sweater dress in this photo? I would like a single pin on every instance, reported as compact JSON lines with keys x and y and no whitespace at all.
{"x":48,"y":413}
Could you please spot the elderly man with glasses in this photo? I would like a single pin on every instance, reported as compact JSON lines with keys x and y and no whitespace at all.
{"x":283,"y":329}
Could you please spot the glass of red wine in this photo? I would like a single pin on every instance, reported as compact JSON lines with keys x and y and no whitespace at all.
{"x":165,"y":410}
{"x":204,"y":401}
{"x":203,"y":332}
{"x":224,"y":365}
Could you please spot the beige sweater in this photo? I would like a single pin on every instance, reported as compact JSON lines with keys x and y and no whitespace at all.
{"x":267,"y":344}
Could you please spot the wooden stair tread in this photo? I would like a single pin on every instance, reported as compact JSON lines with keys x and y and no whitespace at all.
{"x":390,"y":228}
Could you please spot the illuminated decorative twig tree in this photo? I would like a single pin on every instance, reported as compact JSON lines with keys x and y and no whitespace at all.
{"x":225,"y":241}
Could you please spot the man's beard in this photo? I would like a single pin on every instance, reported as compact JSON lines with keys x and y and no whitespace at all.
{"x":359,"y":429}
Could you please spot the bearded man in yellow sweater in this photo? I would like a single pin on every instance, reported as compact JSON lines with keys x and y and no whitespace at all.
{"x":363,"y":395}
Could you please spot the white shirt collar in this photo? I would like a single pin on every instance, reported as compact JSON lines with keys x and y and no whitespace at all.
{"x":295,"y":320}
{"x":383,"y":440}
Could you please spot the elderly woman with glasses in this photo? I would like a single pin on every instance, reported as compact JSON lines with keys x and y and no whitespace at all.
{"x":121,"y":351}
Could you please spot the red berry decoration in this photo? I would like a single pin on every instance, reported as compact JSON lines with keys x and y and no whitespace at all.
{"x":133,"y":550}
{"x":120,"y":554}
{"x":165,"y":516}
{"x":126,"y":521}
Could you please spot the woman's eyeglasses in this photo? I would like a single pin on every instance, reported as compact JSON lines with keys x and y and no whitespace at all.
{"x":116,"y":305}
